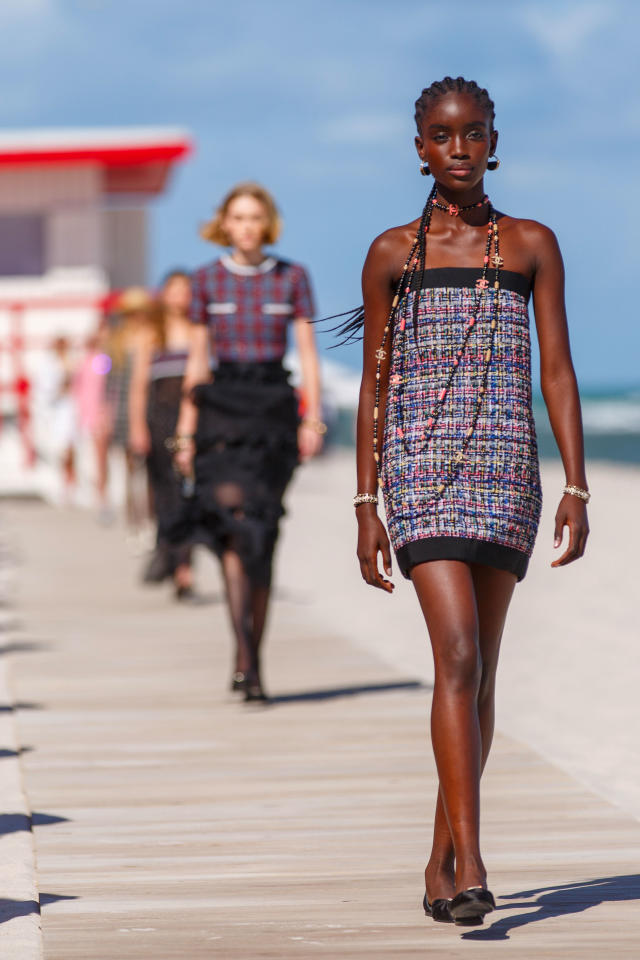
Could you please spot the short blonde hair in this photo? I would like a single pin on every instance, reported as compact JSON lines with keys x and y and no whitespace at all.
{"x":213,"y":230}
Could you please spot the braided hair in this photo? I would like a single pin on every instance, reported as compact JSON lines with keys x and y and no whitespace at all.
{"x":439,"y":88}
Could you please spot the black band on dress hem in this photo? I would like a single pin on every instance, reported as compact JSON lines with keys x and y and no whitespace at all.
{"x":466,"y":549}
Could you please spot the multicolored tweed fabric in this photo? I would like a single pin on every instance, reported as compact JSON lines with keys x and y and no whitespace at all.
{"x":249,"y":309}
{"x":492,"y":496}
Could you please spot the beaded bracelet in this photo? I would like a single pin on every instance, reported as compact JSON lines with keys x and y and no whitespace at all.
{"x":577,"y":492}
{"x":364,"y":498}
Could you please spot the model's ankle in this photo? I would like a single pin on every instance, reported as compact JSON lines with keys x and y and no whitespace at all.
{"x":441,"y":863}
{"x":470,"y":872}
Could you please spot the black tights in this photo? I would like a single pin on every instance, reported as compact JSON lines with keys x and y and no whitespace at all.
{"x":248,"y":604}
{"x":247,"y":593}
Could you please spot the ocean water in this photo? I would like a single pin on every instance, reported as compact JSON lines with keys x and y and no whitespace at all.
{"x":611,"y":421}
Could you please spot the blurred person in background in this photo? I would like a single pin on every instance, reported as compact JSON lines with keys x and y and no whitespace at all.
{"x":55,"y":392}
{"x":242,"y":432}
{"x":134,"y":318}
{"x":154,"y":402}
{"x":93,"y":421}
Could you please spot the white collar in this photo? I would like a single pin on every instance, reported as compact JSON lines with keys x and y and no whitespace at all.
{"x":247,"y":269}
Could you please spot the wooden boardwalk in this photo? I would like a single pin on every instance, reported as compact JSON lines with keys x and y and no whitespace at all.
{"x":172,"y":821}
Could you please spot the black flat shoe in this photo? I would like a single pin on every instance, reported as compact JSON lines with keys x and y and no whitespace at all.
{"x":438,"y":910}
{"x":158,"y":566}
{"x":253,"y":692}
{"x":186,"y":595}
{"x":469,"y":906}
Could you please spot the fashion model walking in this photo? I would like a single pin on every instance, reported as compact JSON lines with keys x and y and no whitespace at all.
{"x":240,"y":427}
{"x":154,"y":402}
{"x":445,"y":429}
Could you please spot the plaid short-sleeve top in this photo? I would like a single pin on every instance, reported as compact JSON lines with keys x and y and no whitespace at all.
{"x":248,"y":309}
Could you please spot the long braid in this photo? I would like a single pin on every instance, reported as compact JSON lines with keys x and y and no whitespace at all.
{"x":422,"y":256}
{"x":439,"y":88}
{"x":350,"y":330}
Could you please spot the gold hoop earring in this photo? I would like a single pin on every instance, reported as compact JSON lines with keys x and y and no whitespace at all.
{"x":425,"y":169}
{"x":493,"y":164}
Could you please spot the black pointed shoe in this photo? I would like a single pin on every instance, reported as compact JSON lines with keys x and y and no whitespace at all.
{"x":438,"y":910}
{"x":469,"y":906}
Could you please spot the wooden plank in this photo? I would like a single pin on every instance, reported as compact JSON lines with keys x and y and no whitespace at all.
{"x":176,"y":822}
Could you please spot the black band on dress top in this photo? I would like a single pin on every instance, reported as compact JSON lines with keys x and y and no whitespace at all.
{"x":467,"y":276}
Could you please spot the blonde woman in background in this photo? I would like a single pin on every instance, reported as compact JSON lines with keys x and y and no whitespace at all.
{"x":135,"y":315}
{"x":154,"y":402}
{"x":242,"y":431}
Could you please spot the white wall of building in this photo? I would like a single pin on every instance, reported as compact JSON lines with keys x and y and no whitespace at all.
{"x":125,"y":245}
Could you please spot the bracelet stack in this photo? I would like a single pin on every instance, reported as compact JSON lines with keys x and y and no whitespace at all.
{"x":364,"y":498}
{"x":577,"y":492}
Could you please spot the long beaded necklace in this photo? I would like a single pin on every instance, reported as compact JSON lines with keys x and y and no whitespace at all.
{"x":403,"y":290}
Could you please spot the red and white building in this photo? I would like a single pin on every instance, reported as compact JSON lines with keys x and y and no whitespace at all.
{"x":73,"y":227}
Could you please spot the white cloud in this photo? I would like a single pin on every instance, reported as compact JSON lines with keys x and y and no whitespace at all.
{"x":364,"y":128}
{"x":566,"y":32}
{"x":14,"y":10}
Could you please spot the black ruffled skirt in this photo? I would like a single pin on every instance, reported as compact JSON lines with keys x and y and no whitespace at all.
{"x":246,"y":452}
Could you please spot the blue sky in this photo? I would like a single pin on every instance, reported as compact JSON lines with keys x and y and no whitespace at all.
{"x":316,"y":101}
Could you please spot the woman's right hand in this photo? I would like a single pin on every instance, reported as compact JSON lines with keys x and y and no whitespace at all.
{"x":373,"y":539}
{"x":139,"y":440}
{"x":183,"y":458}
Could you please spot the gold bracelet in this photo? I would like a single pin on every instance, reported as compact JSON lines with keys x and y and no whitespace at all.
{"x":577,"y":492}
{"x":182,"y":441}
{"x":364,"y":498}
{"x":317,"y":425}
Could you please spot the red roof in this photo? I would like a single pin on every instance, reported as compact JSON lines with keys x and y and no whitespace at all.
{"x":136,"y":159}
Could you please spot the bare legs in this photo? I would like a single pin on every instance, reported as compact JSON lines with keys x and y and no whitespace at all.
{"x":68,"y":464}
{"x":101,"y":449}
{"x":465,"y":607}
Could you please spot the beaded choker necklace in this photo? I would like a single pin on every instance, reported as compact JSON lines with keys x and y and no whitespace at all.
{"x":417,"y":254}
{"x":454,"y":210}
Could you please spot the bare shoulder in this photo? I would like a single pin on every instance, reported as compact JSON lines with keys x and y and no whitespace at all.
{"x":530,"y":235}
{"x":390,"y":248}
{"x":389,"y":239}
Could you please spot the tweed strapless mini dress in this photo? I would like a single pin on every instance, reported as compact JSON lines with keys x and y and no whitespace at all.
{"x":450,"y":493}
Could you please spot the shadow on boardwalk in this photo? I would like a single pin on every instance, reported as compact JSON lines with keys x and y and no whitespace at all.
{"x":10,"y":909}
{"x":569,"y":898}
{"x":18,"y":822}
{"x":334,"y":693}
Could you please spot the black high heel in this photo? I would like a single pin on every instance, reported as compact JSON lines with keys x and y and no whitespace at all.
{"x":469,"y":906}
{"x":438,"y":910}
{"x":238,"y":682}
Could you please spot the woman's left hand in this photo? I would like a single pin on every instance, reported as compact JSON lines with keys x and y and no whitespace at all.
{"x":309,"y":442}
{"x":571,"y":513}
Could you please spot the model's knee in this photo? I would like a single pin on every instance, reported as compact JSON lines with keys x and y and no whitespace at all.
{"x":458,"y":662}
